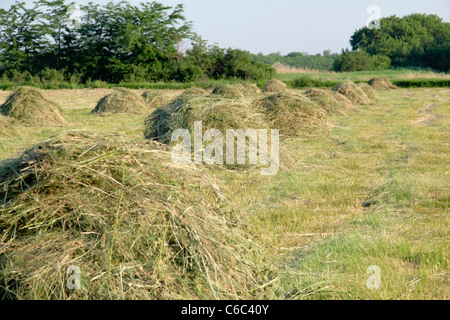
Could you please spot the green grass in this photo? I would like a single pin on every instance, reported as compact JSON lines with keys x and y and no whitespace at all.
{"x":313,"y":221}
{"x":366,"y":75}
{"x":316,"y":238}
{"x":58,"y":85}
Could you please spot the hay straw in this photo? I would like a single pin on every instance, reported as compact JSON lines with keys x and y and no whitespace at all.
{"x":156,"y":98}
{"x":6,"y":129}
{"x":328,"y":100}
{"x":138,"y":226}
{"x":122,"y":100}
{"x":368,"y":90}
{"x":274,"y":85}
{"x":28,"y":105}
{"x":382,"y":84}
{"x":352,"y":92}
{"x":215,"y":113}
{"x":236,"y":91}
{"x":293,"y":114}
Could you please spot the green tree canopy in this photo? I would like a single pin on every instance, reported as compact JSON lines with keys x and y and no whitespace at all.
{"x":415,"y":40}
{"x":114,"y":42}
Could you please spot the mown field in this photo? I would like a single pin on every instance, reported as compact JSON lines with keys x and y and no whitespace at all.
{"x":374,"y":190}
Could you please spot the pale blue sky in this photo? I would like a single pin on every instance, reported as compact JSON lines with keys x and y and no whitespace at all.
{"x":287,"y":25}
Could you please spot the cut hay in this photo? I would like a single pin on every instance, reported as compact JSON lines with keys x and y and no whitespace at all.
{"x":292,"y":113}
{"x":352,"y":92}
{"x":251,"y":89}
{"x":122,"y":100}
{"x":190,"y":93}
{"x":215,"y":113}
{"x":327,"y":100}
{"x":6,"y":129}
{"x":382,"y":84}
{"x":343,"y":101}
{"x":368,"y":90}
{"x":28,"y":105}
{"x":136,"y":225}
{"x":236,"y":91}
{"x":231,"y":91}
{"x":274,"y":85}
{"x":156,"y":98}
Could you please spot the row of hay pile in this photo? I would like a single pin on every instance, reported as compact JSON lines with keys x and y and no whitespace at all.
{"x":136,"y":225}
{"x":242,"y":107}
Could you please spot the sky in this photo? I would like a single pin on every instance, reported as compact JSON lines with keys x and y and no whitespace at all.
{"x":285,"y":26}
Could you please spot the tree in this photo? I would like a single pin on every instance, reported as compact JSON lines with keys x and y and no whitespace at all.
{"x":415,"y":40}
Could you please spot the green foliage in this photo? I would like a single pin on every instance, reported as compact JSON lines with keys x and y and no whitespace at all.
{"x":300,"y":60}
{"x":415,"y":40}
{"x":112,"y":43}
{"x":359,"y":61}
{"x":308,"y":81}
{"x":421,"y":83}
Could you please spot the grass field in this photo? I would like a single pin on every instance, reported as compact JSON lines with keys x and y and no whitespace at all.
{"x":367,"y":75}
{"x":375,"y":191}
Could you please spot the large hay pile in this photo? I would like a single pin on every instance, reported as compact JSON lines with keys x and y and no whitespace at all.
{"x":292,"y":113}
{"x":368,"y":90}
{"x":122,"y":100}
{"x":352,"y":92}
{"x":137,"y":226}
{"x":236,"y":91}
{"x":274,"y":85}
{"x":6,"y":129}
{"x":28,"y":105}
{"x":156,"y":98}
{"x":382,"y":84}
{"x":214,"y":112}
{"x":328,"y":100}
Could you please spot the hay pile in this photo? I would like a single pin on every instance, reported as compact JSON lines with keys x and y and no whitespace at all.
{"x":292,"y":113}
{"x":343,"y":101}
{"x":236,"y":91}
{"x":6,"y":129}
{"x":368,"y":90}
{"x":136,"y":225}
{"x":215,"y":112}
{"x":190,"y":93}
{"x":251,"y":89}
{"x":352,"y":92}
{"x":121,"y":100}
{"x":328,"y":100}
{"x":274,"y":85}
{"x":28,"y":105}
{"x":156,"y":98}
{"x":382,"y":84}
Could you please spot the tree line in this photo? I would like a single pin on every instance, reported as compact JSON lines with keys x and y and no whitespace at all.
{"x":113,"y":43}
{"x":413,"y":41}
{"x":120,"y":42}
{"x":416,"y":40}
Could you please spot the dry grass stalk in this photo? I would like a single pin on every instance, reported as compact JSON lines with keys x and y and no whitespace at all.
{"x":28,"y":105}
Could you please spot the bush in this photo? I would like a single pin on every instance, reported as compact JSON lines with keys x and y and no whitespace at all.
{"x":240,"y":64}
{"x":52,"y":75}
{"x":422,"y":83}
{"x":354,"y":61}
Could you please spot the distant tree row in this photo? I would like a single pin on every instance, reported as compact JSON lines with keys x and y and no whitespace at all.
{"x":416,"y":40}
{"x":300,"y":60}
{"x":115,"y":42}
